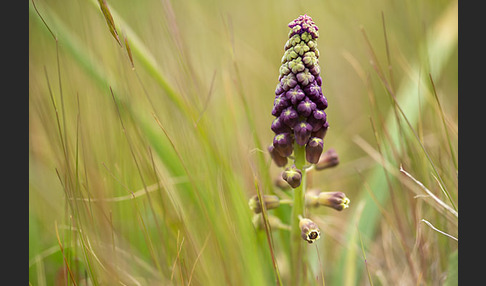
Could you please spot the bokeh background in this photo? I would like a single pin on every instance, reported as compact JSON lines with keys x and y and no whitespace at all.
{"x":145,"y":147}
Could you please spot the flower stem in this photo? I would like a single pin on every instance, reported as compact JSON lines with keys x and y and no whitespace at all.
{"x":296,"y":246}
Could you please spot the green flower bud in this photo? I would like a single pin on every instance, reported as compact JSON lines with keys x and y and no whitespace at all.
{"x":269,"y":201}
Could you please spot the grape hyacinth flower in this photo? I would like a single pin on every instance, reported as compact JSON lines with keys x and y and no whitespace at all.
{"x":300,"y":125}
{"x":309,"y":230}
{"x":299,"y":102}
{"x":335,"y":200}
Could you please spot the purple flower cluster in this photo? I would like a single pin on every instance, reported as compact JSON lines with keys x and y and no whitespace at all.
{"x":299,"y":103}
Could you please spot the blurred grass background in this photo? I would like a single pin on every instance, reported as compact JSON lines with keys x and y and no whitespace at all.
{"x":142,"y":176}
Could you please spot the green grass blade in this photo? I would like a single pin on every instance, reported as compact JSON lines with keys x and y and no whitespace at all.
{"x":439,"y":49}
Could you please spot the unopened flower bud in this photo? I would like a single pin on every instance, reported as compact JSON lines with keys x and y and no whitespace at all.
{"x":309,"y":230}
{"x":269,"y":201}
{"x":335,"y":200}
{"x":278,"y":126}
{"x":328,"y":159}
{"x":283,"y":144}
{"x":279,"y":160}
{"x":313,"y":150}
{"x":292,"y":176}
{"x":317,"y":119}
{"x":302,"y":132}
{"x":289,"y":116}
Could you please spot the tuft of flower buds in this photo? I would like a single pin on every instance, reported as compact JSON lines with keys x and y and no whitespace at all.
{"x":309,"y":230}
{"x":292,"y":176}
{"x":328,"y":159}
{"x":335,"y":200}
{"x":299,"y":102}
{"x":269,"y":201}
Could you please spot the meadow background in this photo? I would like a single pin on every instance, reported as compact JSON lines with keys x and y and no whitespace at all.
{"x":146,"y":144}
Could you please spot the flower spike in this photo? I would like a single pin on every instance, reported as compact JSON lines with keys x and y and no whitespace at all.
{"x":299,"y":103}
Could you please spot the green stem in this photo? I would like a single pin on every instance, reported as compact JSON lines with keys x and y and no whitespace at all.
{"x":296,"y":249}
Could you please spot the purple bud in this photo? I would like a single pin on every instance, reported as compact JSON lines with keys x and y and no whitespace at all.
{"x":289,"y":116}
{"x":335,"y":200}
{"x":315,"y":70}
{"x":317,"y":119}
{"x":313,"y":150}
{"x":305,"y":77}
{"x":288,"y":81}
{"x":295,"y":95}
{"x":313,"y":91}
{"x":292,"y":176}
{"x":279,"y":160}
{"x":309,"y":230}
{"x":279,"y":104}
{"x":319,"y":80}
{"x":306,"y":107}
{"x":279,"y":127}
{"x":321,"y":102}
{"x":279,"y":89}
{"x":283,"y":144}
{"x":302,"y":132}
{"x":328,"y":159}
{"x":321,"y":132}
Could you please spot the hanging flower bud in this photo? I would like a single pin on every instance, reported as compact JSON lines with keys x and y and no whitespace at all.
{"x":328,"y":159}
{"x":269,"y":201}
{"x":313,"y":150}
{"x":299,"y":102}
{"x":321,"y":132}
{"x":335,"y":200}
{"x":292,"y":176}
{"x":279,"y":127}
{"x":283,"y":144}
{"x":302,"y":132}
{"x":317,"y":119}
{"x":276,"y":157}
{"x":309,"y":230}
